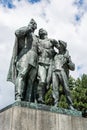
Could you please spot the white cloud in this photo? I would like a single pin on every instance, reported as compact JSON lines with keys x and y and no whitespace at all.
{"x":58,"y":18}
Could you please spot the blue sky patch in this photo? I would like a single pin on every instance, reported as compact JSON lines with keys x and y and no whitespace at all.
{"x":82,"y":9}
{"x":79,"y":3}
{"x":77,"y":17}
{"x":79,"y":67}
{"x":9,"y":3}
{"x":34,"y":1}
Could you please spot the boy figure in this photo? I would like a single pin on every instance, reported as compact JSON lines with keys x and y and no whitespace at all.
{"x":60,"y":76}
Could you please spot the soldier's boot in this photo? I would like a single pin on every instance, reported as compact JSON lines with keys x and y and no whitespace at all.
{"x":41,"y":93}
{"x":19,"y":89}
{"x":18,"y":97}
{"x":70,"y":103}
{"x":71,"y":107}
{"x":56,"y":103}
{"x":55,"y":95}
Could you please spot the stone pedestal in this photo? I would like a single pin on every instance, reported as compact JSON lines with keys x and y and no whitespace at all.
{"x":17,"y":117}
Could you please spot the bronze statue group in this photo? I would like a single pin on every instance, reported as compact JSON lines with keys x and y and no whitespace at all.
{"x":35,"y":65}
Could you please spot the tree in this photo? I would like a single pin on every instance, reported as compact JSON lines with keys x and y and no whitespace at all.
{"x":79,"y":93}
{"x":78,"y":89}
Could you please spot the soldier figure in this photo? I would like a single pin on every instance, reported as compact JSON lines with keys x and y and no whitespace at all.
{"x":46,"y":53}
{"x":24,"y":61}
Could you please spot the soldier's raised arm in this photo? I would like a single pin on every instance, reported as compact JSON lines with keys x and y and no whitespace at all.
{"x":55,"y":43}
{"x":22,"y":31}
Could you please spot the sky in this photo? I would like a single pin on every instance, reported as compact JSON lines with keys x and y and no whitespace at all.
{"x":63,"y":19}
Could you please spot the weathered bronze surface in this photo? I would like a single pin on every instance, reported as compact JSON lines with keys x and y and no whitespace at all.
{"x":35,"y":65}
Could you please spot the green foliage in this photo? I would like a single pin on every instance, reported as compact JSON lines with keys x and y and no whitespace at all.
{"x":78,"y":89}
{"x":48,"y":97}
{"x":63,"y":102}
{"x":62,"y":98}
{"x":79,"y":93}
{"x":71,"y":83}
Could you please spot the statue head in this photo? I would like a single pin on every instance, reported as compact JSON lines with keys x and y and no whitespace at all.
{"x":42,"y":32}
{"x":62,"y":44}
{"x":32,"y":24}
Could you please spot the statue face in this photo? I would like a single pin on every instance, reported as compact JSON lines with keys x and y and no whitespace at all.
{"x":42,"y":32}
{"x":33,"y":24}
{"x":62,"y":48}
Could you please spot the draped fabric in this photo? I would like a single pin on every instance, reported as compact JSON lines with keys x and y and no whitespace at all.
{"x":12,"y":73}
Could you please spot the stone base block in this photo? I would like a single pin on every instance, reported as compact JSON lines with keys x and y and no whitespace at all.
{"x":23,"y":118}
